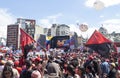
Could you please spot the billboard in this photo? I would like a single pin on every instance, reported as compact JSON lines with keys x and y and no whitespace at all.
{"x":60,"y":42}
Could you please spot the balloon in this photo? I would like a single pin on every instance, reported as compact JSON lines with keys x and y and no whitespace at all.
{"x":98,"y":5}
{"x":83,"y":27}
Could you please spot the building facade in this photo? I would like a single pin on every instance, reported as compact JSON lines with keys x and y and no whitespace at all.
{"x":114,"y":37}
{"x":28,"y":25}
{"x":47,"y":31}
{"x":103,"y":31}
{"x":63,"y":30}
{"x":13,"y":37}
{"x":54,"y":29}
{"x":60,"y":30}
{"x":38,"y":30}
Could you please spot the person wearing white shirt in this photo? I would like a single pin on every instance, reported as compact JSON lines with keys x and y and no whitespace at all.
{"x":30,"y":54}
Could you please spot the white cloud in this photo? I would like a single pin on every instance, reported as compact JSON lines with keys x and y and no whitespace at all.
{"x":89,"y":3}
{"x":6,"y":18}
{"x":101,"y":16}
{"x":45,"y":22}
{"x":49,"y":20}
{"x":107,"y":3}
{"x":112,"y":21}
{"x":90,"y":31}
{"x":55,"y":16}
{"x":117,"y":15}
{"x":112,"y":25}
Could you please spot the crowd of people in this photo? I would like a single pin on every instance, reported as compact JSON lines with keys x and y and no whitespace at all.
{"x":55,"y":63}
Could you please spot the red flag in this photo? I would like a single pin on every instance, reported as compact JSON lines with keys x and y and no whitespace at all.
{"x":97,"y":38}
{"x":25,"y":38}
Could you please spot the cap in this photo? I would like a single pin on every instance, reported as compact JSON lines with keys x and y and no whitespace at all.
{"x":113,"y":64}
{"x":16,"y":63}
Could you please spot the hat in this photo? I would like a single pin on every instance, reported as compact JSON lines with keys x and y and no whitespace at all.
{"x":113,"y":64}
{"x":16,"y":63}
{"x":36,"y":74}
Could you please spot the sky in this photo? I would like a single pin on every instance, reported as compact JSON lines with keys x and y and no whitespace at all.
{"x":70,"y":12}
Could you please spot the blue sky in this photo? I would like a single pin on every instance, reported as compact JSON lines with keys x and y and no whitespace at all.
{"x":70,"y":12}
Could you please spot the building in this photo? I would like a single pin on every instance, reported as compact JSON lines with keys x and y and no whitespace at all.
{"x":60,"y":30}
{"x":45,"y":31}
{"x":49,"y":32}
{"x":103,"y":31}
{"x":38,"y":30}
{"x":114,"y":37}
{"x":57,"y":30}
{"x":54,"y":29}
{"x":13,"y":35}
{"x":28,"y":25}
{"x":63,"y":30}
